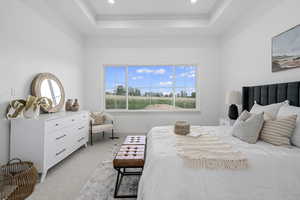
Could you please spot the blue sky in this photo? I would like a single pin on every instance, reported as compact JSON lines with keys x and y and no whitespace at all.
{"x":154,"y":78}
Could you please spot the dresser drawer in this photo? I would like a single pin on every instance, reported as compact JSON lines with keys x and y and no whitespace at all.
{"x":79,"y":134}
{"x":57,"y":156}
{"x":57,"y":124}
{"x":81,"y":127}
{"x":81,"y":140}
{"x":78,"y":118}
{"x":58,"y":142}
{"x":61,"y":140}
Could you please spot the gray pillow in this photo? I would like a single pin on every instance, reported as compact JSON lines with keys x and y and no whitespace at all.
{"x":248,"y":126}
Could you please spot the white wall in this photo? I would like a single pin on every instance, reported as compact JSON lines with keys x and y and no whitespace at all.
{"x":30,"y":45}
{"x":246,"y":49}
{"x":184,"y":50}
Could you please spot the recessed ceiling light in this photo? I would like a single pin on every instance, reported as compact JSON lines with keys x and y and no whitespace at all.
{"x":193,"y":1}
{"x":111,"y":1}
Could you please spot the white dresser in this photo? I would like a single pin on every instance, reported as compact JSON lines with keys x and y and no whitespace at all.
{"x":49,"y":139}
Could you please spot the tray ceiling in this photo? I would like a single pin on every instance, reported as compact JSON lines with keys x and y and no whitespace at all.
{"x":152,"y":7}
{"x":151,"y":17}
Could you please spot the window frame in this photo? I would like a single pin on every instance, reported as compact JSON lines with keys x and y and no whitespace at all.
{"x":197,"y":89}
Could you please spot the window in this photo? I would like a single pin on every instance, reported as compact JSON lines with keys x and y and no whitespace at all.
{"x":150,"y":87}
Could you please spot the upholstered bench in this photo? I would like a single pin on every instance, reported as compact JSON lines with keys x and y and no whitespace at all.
{"x":130,"y":156}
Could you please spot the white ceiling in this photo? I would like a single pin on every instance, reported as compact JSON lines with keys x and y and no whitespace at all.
{"x":151,"y":7}
{"x":150,"y":17}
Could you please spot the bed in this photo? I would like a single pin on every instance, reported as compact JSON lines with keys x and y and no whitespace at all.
{"x":273,"y":172}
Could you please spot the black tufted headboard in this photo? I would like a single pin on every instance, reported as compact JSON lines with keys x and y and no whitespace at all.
{"x":274,"y":93}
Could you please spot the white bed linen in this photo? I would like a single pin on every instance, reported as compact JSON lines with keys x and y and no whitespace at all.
{"x":273,"y":173}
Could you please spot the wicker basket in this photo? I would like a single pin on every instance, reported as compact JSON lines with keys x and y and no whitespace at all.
{"x":182,"y":128}
{"x":1,"y":183}
{"x":21,"y":174}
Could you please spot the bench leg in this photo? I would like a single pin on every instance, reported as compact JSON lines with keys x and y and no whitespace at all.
{"x":119,"y":182}
{"x":91,"y":132}
{"x":117,"y":186}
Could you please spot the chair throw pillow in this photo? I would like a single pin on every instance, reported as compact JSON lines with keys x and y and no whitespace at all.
{"x":248,"y":126}
{"x":98,"y":118}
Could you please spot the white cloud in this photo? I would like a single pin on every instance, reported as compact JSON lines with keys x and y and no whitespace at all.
{"x":189,"y":74}
{"x":167,"y":83}
{"x":144,"y":70}
{"x":150,"y":71}
{"x":137,"y":77}
{"x":159,"y":71}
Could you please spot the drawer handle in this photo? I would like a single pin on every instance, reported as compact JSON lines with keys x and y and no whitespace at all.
{"x":73,"y":120}
{"x":56,"y":124}
{"x":60,"y":137}
{"x":57,"y":154}
{"x":81,"y":139}
{"x":80,"y":128}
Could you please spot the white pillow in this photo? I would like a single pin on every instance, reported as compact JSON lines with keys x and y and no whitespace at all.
{"x":248,"y":126}
{"x":287,"y":110}
{"x":271,"y":109}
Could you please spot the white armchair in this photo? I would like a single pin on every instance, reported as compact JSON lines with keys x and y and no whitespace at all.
{"x":108,"y":126}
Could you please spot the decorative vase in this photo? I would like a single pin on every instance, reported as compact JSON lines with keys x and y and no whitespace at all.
{"x":69,"y":104}
{"x":75,"y":106}
{"x":15,"y":109}
{"x":32,"y":113}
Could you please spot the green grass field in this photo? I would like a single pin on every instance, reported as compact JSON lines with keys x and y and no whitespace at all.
{"x":144,"y":103}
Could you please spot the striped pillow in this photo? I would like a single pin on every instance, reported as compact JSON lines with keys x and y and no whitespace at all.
{"x":279,"y":131}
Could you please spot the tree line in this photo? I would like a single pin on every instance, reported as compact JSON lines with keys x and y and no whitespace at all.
{"x":121,"y":90}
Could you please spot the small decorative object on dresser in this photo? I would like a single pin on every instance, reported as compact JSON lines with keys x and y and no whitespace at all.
{"x":32,"y":108}
{"x":69,"y":104}
{"x":182,"y":128}
{"x":233,"y":98}
{"x":75,"y":106}
{"x":48,"y":139}
{"x":29,"y":108}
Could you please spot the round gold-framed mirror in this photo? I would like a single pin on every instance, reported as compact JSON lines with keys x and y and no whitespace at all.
{"x":48,"y":85}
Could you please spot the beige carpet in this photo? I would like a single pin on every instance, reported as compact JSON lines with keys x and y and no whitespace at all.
{"x":65,"y":180}
{"x":101,"y":186}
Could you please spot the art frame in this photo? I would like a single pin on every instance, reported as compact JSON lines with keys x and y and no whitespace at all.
{"x":286,"y":50}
